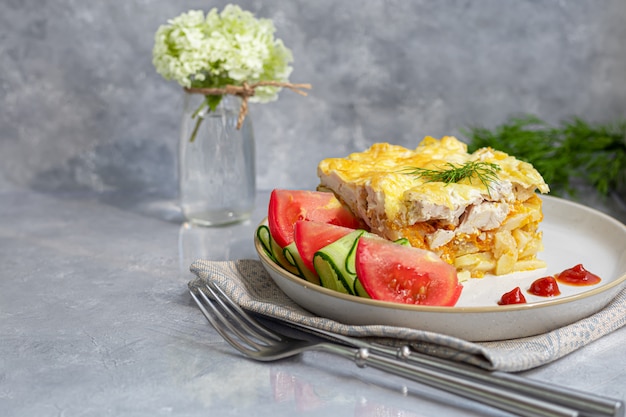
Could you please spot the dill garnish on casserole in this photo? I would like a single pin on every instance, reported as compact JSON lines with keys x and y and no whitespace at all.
{"x":486,"y":172}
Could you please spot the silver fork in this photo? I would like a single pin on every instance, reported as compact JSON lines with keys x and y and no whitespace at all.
{"x":586,"y":404}
{"x":250,"y":337}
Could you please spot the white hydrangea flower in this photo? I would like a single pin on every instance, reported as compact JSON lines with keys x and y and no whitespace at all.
{"x":222,"y":48}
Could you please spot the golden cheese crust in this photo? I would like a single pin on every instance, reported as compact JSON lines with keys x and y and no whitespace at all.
{"x":479,"y":227}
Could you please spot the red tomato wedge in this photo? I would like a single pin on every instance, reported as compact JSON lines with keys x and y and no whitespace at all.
{"x":312,"y":236}
{"x":403,"y":274}
{"x":286,"y":207}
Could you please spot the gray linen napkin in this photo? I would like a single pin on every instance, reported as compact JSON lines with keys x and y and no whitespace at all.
{"x":250,"y":285}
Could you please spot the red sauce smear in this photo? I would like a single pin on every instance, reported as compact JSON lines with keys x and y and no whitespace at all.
{"x":514,"y":296}
{"x":577,"y":275}
{"x":544,"y":287}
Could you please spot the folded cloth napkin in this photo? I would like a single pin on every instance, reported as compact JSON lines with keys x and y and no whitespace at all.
{"x":247,"y":282}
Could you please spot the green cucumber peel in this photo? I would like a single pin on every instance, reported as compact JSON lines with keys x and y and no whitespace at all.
{"x":281,"y":259}
{"x":292,"y":255}
{"x":402,"y":241}
{"x":265,"y":238}
{"x":336,"y":263}
{"x":331,"y":274}
{"x":273,"y":250}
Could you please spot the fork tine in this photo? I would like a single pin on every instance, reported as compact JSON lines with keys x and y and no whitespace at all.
{"x":244,"y":320}
{"x":237,"y":337}
{"x":251,"y":328}
{"x":217,"y":320}
{"x":241,"y":332}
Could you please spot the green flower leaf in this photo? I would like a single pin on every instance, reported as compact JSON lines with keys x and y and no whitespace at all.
{"x":213,"y":102}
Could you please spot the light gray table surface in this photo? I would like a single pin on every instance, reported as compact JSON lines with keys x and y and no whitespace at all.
{"x":95,"y":320}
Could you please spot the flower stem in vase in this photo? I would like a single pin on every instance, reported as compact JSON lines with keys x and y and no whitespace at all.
{"x":212,"y":102}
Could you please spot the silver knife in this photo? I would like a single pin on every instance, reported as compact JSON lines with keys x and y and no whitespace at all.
{"x":587,"y":404}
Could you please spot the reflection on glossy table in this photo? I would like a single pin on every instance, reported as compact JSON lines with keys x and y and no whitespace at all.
{"x":95,"y":320}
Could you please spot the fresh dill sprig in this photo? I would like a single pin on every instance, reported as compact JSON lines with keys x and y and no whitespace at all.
{"x":573,"y":151}
{"x":486,"y":172}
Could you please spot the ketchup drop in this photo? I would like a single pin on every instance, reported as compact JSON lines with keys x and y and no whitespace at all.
{"x":544,"y":287}
{"x":514,"y":296}
{"x":577,"y":275}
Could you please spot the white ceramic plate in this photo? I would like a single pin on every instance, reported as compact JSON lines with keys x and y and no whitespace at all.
{"x":572,"y":234}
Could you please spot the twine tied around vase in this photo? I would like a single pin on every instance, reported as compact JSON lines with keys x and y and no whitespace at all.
{"x":245,"y":91}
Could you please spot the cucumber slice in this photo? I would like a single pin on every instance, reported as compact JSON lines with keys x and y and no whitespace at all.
{"x":281,"y":259}
{"x":403,"y":241}
{"x":274,"y":251}
{"x":263,"y":234}
{"x":292,"y":256}
{"x":335,"y":263}
{"x":359,"y":290}
{"x":328,"y":274}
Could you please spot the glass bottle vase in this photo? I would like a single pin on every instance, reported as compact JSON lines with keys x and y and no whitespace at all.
{"x":217,"y":177}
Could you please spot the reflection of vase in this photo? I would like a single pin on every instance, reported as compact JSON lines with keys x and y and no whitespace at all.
{"x":217,"y":177}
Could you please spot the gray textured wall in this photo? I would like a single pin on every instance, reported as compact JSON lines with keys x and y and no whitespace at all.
{"x":81,"y":107}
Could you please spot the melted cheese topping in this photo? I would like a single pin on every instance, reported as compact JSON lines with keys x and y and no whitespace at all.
{"x":382,"y":171}
{"x":455,"y":220}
